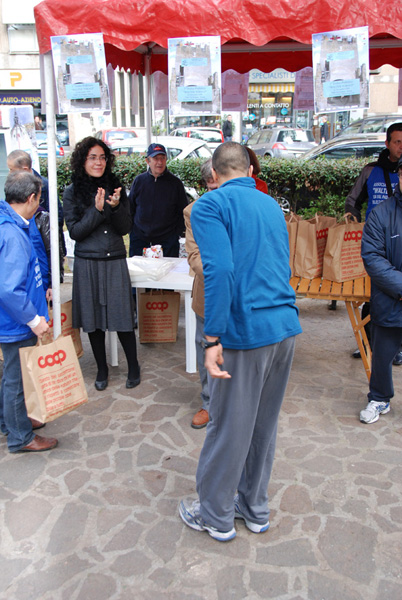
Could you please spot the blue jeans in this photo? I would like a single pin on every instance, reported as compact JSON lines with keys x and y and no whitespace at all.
{"x":14,"y":422}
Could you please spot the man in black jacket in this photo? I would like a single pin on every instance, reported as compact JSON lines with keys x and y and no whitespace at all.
{"x":157,"y":200}
{"x":382,"y":257}
{"x":227,"y":129}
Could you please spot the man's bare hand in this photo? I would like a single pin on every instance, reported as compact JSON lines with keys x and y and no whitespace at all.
{"x":214,"y":358}
{"x":49,"y":294}
{"x":41,"y":328}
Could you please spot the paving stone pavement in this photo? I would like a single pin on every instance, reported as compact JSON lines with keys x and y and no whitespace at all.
{"x":96,"y":518}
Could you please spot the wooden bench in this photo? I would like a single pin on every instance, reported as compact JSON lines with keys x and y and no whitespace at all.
{"x":354,"y":293}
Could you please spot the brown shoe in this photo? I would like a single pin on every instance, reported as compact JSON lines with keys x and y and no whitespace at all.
{"x":40,"y":444}
{"x":36,"y":424}
{"x":200,"y":419}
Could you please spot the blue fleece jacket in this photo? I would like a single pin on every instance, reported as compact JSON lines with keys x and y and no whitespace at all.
{"x":21,"y":290}
{"x":244,"y":246}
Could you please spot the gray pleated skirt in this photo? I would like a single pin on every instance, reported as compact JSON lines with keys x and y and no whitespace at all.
{"x":102,"y":295}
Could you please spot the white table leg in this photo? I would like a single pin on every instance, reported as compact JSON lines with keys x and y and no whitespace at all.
{"x":191,"y":363}
{"x":113,"y":357}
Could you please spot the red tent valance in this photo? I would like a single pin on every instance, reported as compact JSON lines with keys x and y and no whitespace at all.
{"x":254,"y":33}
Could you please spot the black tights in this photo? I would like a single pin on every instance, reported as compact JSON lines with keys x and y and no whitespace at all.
{"x":127,"y":340}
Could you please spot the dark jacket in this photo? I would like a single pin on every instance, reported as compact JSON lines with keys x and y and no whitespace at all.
{"x":382,"y":257}
{"x":227,"y":129}
{"x":371,"y":185}
{"x":98,"y":235}
{"x":157,"y":206}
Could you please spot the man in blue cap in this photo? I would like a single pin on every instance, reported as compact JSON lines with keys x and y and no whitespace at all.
{"x":157,"y":199}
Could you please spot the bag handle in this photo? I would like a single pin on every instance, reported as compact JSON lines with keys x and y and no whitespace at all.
{"x":349,"y":218}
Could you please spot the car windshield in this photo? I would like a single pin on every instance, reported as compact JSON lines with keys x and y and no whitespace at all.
{"x":207,"y":136}
{"x":173,"y":152}
{"x":114,"y":136}
{"x":295,"y":135}
{"x":203,"y":152}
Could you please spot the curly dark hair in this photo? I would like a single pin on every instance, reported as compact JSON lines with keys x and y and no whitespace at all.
{"x":83,"y":183}
{"x":80,"y":154}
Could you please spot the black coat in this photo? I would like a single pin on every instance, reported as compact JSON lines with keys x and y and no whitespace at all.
{"x":98,"y":235}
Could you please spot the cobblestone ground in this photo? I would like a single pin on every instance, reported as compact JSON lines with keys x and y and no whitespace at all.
{"x":96,"y":518}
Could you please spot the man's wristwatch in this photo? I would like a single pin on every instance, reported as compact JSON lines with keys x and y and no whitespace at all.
{"x":206,"y":344}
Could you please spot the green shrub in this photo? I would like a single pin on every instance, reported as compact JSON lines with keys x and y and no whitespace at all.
{"x":316,"y":185}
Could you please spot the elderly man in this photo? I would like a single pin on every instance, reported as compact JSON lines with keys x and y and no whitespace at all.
{"x":157,"y":199}
{"x":251,"y":321}
{"x":382,"y":257}
{"x":201,"y":417}
{"x":23,"y":309}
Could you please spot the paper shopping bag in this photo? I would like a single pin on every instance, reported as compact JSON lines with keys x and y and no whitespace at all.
{"x":66,"y":328}
{"x":52,"y":379}
{"x":292,"y":223}
{"x":342,"y":257}
{"x":158,"y":316}
{"x":310,"y":246}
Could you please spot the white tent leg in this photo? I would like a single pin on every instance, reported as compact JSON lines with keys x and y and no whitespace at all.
{"x":52,"y":176}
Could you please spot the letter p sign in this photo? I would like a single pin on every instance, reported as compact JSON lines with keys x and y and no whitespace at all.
{"x":15,"y":76}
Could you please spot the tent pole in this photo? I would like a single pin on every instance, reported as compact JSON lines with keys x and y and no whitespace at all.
{"x":148,"y":96}
{"x":52,"y":176}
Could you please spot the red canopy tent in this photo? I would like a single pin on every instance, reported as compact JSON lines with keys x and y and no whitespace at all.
{"x":254,"y":34}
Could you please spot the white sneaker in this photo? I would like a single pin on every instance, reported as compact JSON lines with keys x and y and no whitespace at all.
{"x":190,"y":513}
{"x":254,"y":527}
{"x":373,"y":410}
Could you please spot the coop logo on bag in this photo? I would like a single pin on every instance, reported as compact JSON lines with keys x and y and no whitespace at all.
{"x":52,"y":359}
{"x":322,"y":234}
{"x":63,"y":320}
{"x":157,"y":306}
{"x":356,"y":236}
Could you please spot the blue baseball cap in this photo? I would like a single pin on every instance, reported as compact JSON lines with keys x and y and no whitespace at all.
{"x":155,"y":149}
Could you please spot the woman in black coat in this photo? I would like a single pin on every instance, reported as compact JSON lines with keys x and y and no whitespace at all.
{"x":97,"y":215}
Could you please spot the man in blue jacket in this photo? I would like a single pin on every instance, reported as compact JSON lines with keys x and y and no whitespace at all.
{"x":382,"y":257}
{"x":250,"y":326}
{"x":23,"y":309}
{"x":376,"y":183}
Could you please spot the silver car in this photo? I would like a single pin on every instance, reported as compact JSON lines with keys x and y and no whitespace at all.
{"x":355,"y":146}
{"x":281,"y":142}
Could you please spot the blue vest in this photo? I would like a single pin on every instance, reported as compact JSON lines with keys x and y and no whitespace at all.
{"x":377,"y":187}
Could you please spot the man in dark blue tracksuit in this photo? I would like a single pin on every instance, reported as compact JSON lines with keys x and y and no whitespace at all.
{"x":382,"y":257}
{"x":375,"y":184}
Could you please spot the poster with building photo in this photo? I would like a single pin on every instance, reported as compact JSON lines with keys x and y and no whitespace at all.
{"x":194,"y":68}
{"x":80,"y":72}
{"x":341,"y":69}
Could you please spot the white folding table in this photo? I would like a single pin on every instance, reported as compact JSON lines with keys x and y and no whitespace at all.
{"x":177,"y":279}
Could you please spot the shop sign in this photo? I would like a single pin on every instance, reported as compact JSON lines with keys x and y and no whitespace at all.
{"x":27,"y":97}
{"x":282,"y":105}
{"x":276,"y":76}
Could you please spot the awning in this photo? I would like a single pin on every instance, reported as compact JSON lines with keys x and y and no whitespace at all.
{"x":272,"y":87}
{"x":254,"y":33}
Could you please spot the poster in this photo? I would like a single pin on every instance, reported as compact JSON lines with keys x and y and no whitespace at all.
{"x":341,"y":69}
{"x":234,"y":90}
{"x":18,"y":124}
{"x":80,"y":72}
{"x":303,"y":98}
{"x":194,"y":69}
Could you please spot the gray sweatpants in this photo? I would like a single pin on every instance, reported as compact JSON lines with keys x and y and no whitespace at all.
{"x":239,"y":447}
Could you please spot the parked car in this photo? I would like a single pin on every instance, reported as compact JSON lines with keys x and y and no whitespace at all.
{"x":355,"y":146}
{"x":281,"y":142}
{"x":374,"y":124}
{"x":176,"y":147}
{"x":63,"y":133}
{"x":211,"y":135}
{"x":116,"y":134}
{"x":41,"y":141}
